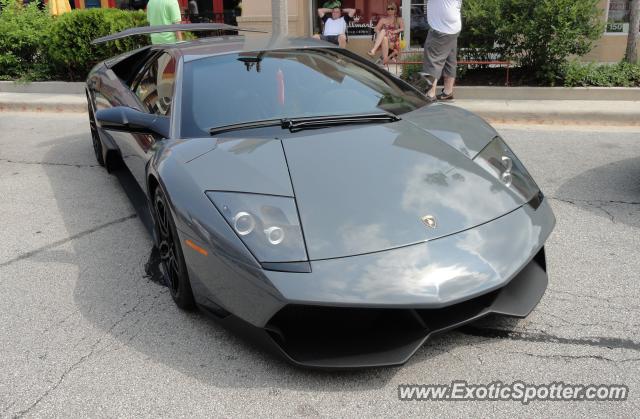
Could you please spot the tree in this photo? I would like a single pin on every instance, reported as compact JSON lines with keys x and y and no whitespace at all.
{"x":540,"y":35}
{"x":634,"y":32}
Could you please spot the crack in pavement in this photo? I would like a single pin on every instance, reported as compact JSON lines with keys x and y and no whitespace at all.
{"x":66,"y":240}
{"x":6,"y":409}
{"x":542,"y":337}
{"x":601,"y":208}
{"x":82,"y":359}
{"x":576,"y":357}
{"x":593,"y":202}
{"x":44,"y":163}
{"x":59,"y":322}
{"x":598,"y":298}
{"x":155,"y":299}
{"x":596,"y":203}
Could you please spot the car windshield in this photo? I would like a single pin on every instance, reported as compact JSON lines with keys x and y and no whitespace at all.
{"x":268,"y":85}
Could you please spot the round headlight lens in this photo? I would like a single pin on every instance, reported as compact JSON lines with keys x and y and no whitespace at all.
{"x":275,"y":235}
{"x":508,"y":163}
{"x":507,"y":178}
{"x":244,"y":223}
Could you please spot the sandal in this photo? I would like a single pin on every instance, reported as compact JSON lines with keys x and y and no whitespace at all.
{"x":443,"y":96}
{"x":370,"y":53}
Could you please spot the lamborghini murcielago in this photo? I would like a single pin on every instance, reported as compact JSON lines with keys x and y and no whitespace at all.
{"x":314,"y":201}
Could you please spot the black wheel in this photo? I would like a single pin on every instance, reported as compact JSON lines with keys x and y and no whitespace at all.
{"x":95,"y":138}
{"x":171,"y":256}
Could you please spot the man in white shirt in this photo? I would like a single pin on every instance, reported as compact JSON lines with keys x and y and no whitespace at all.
{"x":335,"y":24}
{"x":441,"y":46}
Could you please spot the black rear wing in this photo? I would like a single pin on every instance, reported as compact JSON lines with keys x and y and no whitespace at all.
{"x":189,"y":27}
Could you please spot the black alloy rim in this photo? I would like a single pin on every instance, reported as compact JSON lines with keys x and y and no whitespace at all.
{"x":94,"y":134}
{"x":167,"y":245}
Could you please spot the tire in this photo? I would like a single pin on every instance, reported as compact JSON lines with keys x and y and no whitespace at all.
{"x":95,"y":137}
{"x":172,"y":259}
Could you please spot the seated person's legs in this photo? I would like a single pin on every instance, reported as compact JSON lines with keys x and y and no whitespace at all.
{"x":393,"y":53}
{"x":394,"y":50}
{"x":331,"y":38}
{"x":342,"y":40}
{"x":381,"y":36}
{"x":385,"y":50}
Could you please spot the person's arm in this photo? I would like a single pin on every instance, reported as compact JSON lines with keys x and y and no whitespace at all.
{"x":350,"y":12}
{"x":378,"y":27}
{"x":322,"y":11}
{"x":401,"y":25}
{"x":174,"y":13}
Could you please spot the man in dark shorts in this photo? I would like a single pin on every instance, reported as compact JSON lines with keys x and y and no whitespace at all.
{"x":335,"y":22}
{"x":441,"y":46}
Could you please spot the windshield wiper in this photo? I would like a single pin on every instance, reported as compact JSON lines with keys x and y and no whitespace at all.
{"x":313,"y":122}
{"x":246,"y":125}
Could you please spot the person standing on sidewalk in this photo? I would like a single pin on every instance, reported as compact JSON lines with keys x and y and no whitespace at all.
{"x":164,"y":12}
{"x":441,"y":46}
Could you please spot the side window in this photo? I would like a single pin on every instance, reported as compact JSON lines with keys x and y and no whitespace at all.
{"x":155,"y":89}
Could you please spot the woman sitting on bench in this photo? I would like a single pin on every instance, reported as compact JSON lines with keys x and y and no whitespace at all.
{"x":388,"y":32}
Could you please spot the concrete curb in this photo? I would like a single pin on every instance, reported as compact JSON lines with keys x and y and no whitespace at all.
{"x":548,"y":93}
{"x":43,"y":87}
{"x":32,"y":102}
{"x":462,"y":92}
{"x":568,"y":112}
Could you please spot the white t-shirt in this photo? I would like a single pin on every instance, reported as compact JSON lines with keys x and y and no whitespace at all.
{"x":444,"y":15}
{"x":335,"y":27}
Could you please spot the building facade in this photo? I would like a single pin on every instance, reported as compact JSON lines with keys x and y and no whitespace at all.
{"x":303,"y":21}
{"x":208,"y":10}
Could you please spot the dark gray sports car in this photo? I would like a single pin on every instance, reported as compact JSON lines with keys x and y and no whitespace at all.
{"x":315,"y":202}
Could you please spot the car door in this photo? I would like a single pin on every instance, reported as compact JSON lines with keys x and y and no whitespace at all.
{"x":153,"y":90}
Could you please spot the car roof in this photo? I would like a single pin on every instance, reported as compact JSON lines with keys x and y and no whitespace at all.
{"x":210,"y":46}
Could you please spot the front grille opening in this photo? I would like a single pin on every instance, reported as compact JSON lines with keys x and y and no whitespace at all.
{"x":340,"y":336}
{"x":451,"y":316}
{"x":308,"y":333}
{"x":541,"y":259}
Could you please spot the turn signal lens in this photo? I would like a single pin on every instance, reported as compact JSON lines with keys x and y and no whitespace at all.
{"x":197,"y":248}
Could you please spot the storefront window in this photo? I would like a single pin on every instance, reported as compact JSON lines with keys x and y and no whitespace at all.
{"x":131,"y":4}
{"x":618,"y":18}
{"x":419,"y":25}
{"x":368,"y":12}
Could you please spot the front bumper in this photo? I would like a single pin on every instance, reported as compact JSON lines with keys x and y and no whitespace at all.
{"x":434,"y":274}
{"x":378,"y":309}
{"x":347,"y":338}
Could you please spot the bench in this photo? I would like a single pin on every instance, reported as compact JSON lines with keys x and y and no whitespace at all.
{"x":506,"y":63}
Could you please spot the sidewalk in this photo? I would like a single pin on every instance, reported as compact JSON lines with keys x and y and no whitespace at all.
{"x":42,"y":102}
{"x":569,"y":112}
{"x":560,"y":112}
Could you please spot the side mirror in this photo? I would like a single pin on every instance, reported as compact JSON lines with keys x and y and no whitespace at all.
{"x":123,"y":118}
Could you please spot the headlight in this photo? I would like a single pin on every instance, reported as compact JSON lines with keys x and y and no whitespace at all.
{"x":498,"y":159}
{"x":268,"y":225}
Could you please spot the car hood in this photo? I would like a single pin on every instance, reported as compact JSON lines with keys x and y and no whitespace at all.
{"x":367,"y":189}
{"x":465,"y":131}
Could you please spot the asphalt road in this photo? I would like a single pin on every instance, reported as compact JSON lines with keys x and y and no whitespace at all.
{"x":84,"y":333}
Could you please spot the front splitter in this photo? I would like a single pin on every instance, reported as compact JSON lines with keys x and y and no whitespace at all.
{"x":401,"y":333}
